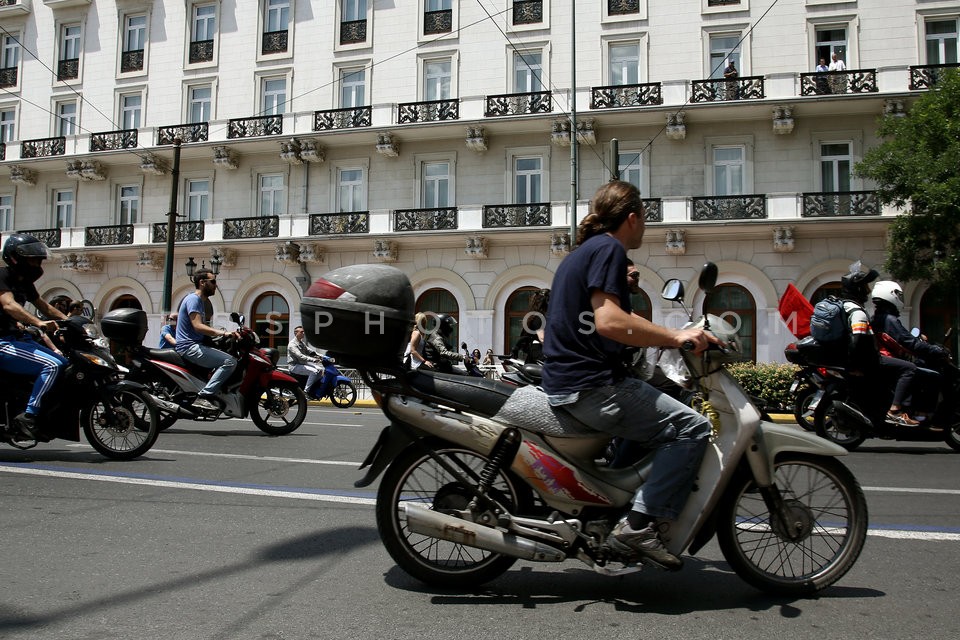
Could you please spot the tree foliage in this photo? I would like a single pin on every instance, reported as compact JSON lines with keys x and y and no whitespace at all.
{"x":917,"y":169}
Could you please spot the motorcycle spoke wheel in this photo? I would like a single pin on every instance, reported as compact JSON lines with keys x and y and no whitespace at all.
{"x":122,"y":428}
{"x":802,"y":412}
{"x":279,"y":409}
{"x":827,"y":520}
{"x":831,"y":424}
{"x":344,"y":395}
{"x":166,"y":390}
{"x":952,"y":432}
{"x":414,"y":477}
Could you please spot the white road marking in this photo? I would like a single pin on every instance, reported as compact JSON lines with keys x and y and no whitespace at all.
{"x":949,"y":492}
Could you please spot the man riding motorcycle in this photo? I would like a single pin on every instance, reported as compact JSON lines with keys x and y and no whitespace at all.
{"x":19,"y":352}
{"x":437,"y":351}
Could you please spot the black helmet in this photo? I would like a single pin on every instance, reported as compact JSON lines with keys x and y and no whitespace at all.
{"x":445,"y":324}
{"x":856,"y":284}
{"x":24,"y":245}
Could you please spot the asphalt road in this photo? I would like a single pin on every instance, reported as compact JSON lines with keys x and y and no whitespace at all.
{"x":221,"y":532}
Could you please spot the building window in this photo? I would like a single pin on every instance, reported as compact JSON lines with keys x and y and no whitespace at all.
{"x":736,"y":305}
{"x":728,"y":167}
{"x":271,"y":194}
{"x":8,"y":124}
{"x":527,"y":179}
{"x":271,"y":321}
{"x":353,"y":85}
{"x":69,"y":61}
{"x":203,"y":28}
{"x":836,"y":160}
{"x":527,"y":71}
{"x":274,"y":96}
{"x":516,"y":310}
{"x":128,"y":204}
{"x":624,"y":64}
{"x":10,"y":62}
{"x":135,"y":33}
{"x":354,"y":10}
{"x":941,"y":39}
{"x":63,"y":208}
{"x":938,"y":311}
{"x":640,"y":303}
{"x":66,"y":118}
{"x":436,"y":185}
{"x":630,"y":168}
{"x":436,"y":80}
{"x":278,"y":15}
{"x":350,"y":190}
{"x":723,"y":49}
{"x":198,"y":199}
{"x":6,"y":212}
{"x":130,"y":110}
{"x":436,"y":301}
{"x":199,"y":103}
{"x":831,"y":40}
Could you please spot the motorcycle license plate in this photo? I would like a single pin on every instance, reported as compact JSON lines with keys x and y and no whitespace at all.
{"x":817,"y":396}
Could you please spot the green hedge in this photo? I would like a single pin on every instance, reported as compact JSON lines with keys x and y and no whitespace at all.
{"x":766,"y":380}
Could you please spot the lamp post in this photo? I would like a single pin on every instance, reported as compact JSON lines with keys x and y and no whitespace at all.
{"x":191,"y":265}
{"x":165,"y":302}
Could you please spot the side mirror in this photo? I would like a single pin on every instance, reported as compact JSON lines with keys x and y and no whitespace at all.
{"x":708,"y":277}
{"x":463,"y":345}
{"x":236,"y":317}
{"x":915,"y":332}
{"x":672,"y":290}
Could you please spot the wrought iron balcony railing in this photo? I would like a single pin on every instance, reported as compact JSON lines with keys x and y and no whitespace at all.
{"x":3,"y":150}
{"x":626,"y":95}
{"x":353,"y":31}
{"x":749,"y":207}
{"x":274,"y":42}
{"x":49,"y":237}
{"x":653,"y":210}
{"x":722,"y":3}
{"x":131,"y":61}
{"x":725,"y":89}
{"x":839,"y":204}
{"x":43,"y":147}
{"x":325,"y":224}
{"x":201,"y":51}
{"x":527,"y":11}
{"x":193,"y":132}
{"x":429,"y":111}
{"x":516,"y":215}
{"x":825,"y":83}
{"x":927,"y":75}
{"x":437,"y":21}
{"x":68,"y":69}
{"x":111,"y":140}
{"x":513,"y":104}
{"x":8,"y":77}
{"x":348,"y":118}
{"x":186,"y":231}
{"x":622,"y":7}
{"x":255,"y":126}
{"x":106,"y":235}
{"x":258,"y":227}
{"x":444,"y":218}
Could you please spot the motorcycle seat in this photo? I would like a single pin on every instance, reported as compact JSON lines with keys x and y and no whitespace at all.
{"x":172,"y":357}
{"x":485,"y":397}
{"x":528,"y":409}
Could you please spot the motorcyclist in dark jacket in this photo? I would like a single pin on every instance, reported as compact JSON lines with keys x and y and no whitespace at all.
{"x":436,"y":349}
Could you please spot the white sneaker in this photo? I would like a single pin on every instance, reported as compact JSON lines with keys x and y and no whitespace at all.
{"x":204,"y":405}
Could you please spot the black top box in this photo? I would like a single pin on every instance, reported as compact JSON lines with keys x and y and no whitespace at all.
{"x":126,"y":326}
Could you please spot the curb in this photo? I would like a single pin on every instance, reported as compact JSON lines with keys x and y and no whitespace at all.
{"x":366,"y":404}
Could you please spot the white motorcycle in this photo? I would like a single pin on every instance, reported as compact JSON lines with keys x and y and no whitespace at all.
{"x":478,"y":474}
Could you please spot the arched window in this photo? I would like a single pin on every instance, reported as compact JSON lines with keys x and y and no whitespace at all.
{"x":824,"y":290}
{"x":518,"y":304}
{"x":436,"y":301}
{"x":271,"y":321}
{"x":736,"y":305}
{"x":938,"y":313}
{"x":640,"y":302}
{"x":126,"y":301}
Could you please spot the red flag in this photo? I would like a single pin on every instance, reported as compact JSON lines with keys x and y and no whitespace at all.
{"x":796,"y":311}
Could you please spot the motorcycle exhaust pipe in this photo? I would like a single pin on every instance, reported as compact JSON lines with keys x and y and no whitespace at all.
{"x":439,"y":525}
{"x":172,"y":408}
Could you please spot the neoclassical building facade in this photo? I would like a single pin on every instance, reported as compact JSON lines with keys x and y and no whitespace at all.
{"x":294,"y":137}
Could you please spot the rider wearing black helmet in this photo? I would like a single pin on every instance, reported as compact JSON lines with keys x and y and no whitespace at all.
{"x":20,"y":353}
{"x":436,"y":350}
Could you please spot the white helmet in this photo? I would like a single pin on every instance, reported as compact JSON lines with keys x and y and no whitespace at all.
{"x":890,"y":292}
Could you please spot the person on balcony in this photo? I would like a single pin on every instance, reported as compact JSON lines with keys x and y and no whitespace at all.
{"x":731,"y":74}
{"x":838,"y":81}
{"x":822,"y":85}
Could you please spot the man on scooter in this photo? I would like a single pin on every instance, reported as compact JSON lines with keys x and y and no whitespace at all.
{"x":300,"y":354}
{"x":192,"y":328}
{"x":20,"y":353}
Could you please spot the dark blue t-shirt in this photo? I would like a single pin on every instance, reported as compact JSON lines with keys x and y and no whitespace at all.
{"x":576,"y":357}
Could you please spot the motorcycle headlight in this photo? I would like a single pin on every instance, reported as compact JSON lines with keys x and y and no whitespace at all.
{"x":97,"y":360}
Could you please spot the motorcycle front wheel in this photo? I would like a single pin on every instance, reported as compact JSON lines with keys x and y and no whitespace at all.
{"x":827,"y":526}
{"x":279,"y":409}
{"x":344,"y":394}
{"x":415,"y":477}
{"x":123,"y":426}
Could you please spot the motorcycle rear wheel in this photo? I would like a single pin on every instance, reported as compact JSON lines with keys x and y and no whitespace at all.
{"x":167,"y":390}
{"x":416,"y":477}
{"x":827,"y":507}
{"x":952,"y":435}
{"x":344,"y":394}
{"x":122,"y":428}
{"x":801,"y":408}
{"x":279,"y":409}
{"x":831,"y":424}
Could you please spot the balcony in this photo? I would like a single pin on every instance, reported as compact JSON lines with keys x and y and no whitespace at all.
{"x":516,"y":215}
{"x":257,"y":227}
{"x":201,"y":51}
{"x":49,"y":237}
{"x":626,"y":95}
{"x":348,"y":118}
{"x":187,"y":231}
{"x":723,"y":90}
{"x":652,"y":210}
{"x":927,"y":75}
{"x":8,"y":77}
{"x":274,"y":42}
{"x":429,"y":111}
{"x":131,"y":61}
{"x":437,"y":22}
{"x":514,"y":104}
{"x":113,"y":140}
{"x":255,"y":127}
{"x":622,"y":7}
{"x":840,"y":204}
{"x":353,"y":31}
{"x":107,"y":235}
{"x":527,"y":11}
{"x":329,"y":224}
{"x":440,"y":219}
{"x":43,"y":148}
{"x":14,"y":6}
{"x":192,"y":132}
{"x":68,"y":69}
{"x":751,"y":207}
{"x":825,"y":83}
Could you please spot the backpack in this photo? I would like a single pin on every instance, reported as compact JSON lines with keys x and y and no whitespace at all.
{"x":829,"y":321}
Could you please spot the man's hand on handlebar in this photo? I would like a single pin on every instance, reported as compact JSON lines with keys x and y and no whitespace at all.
{"x":696,"y":340}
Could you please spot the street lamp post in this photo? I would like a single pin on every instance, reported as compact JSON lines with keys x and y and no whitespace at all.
{"x":165,"y":302}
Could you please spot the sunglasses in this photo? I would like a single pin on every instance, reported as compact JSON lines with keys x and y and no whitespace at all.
{"x":634,"y":275}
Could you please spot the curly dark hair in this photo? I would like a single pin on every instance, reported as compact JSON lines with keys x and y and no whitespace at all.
{"x":610,"y":206}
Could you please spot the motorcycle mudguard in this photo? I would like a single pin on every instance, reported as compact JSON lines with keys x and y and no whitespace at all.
{"x":135,"y":387}
{"x":275,"y":375}
{"x":391,"y":442}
